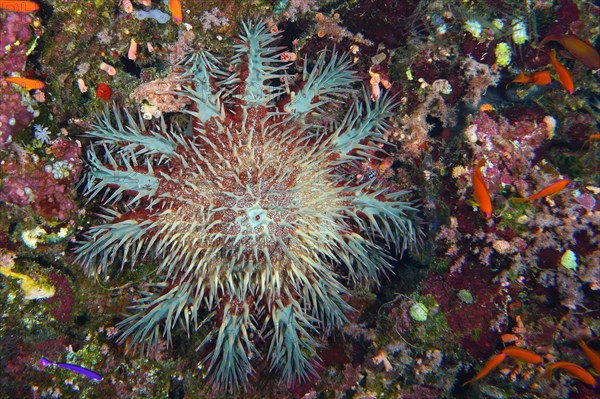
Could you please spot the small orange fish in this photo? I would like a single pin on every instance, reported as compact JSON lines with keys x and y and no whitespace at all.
{"x":29,"y":84}
{"x":592,"y":355}
{"x":489,"y":366}
{"x":480,"y":191}
{"x":523,"y":355}
{"x":589,"y":139}
{"x":508,"y":338}
{"x":550,"y":190}
{"x":594,"y":137}
{"x":564,"y":77}
{"x":578,"y":48}
{"x":486,"y":108}
{"x":573,"y":370}
{"x":19,"y":6}
{"x":537,"y":78}
{"x":175,"y":7}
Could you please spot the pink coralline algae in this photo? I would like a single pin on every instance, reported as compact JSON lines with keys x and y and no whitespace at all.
{"x":14,"y":116}
{"x":62,"y":302}
{"x":48,"y":187}
{"x":508,"y":144}
{"x":464,"y":319}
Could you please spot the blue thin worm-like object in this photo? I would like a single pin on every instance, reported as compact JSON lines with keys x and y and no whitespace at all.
{"x":73,"y":367}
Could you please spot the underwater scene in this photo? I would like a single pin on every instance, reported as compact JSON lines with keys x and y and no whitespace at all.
{"x":304,"y":199}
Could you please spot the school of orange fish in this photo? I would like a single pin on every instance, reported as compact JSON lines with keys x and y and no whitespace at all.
{"x":574,"y":47}
{"x":527,"y":356}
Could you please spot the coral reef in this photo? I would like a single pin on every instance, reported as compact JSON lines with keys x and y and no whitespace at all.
{"x":15,"y":112}
{"x":526,"y":277}
{"x":46,"y":184}
{"x":249,"y":213}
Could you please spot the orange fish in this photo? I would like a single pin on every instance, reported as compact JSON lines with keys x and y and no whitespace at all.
{"x":589,"y":139}
{"x":29,"y":84}
{"x":550,"y":190}
{"x":175,"y":7}
{"x":573,"y":370}
{"x":537,"y":78}
{"x":592,"y":355}
{"x":489,"y":366}
{"x":578,"y":48}
{"x":486,"y":108}
{"x":480,"y":191}
{"x":19,"y":6}
{"x":523,"y":355}
{"x":564,"y":77}
{"x":508,"y":338}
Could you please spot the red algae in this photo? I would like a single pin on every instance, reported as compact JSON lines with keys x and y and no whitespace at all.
{"x":471,"y":323}
{"x":49,"y":188}
{"x":62,"y":301}
{"x":104,"y":92}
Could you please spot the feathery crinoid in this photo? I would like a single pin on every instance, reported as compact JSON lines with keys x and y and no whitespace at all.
{"x":250,"y":214}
